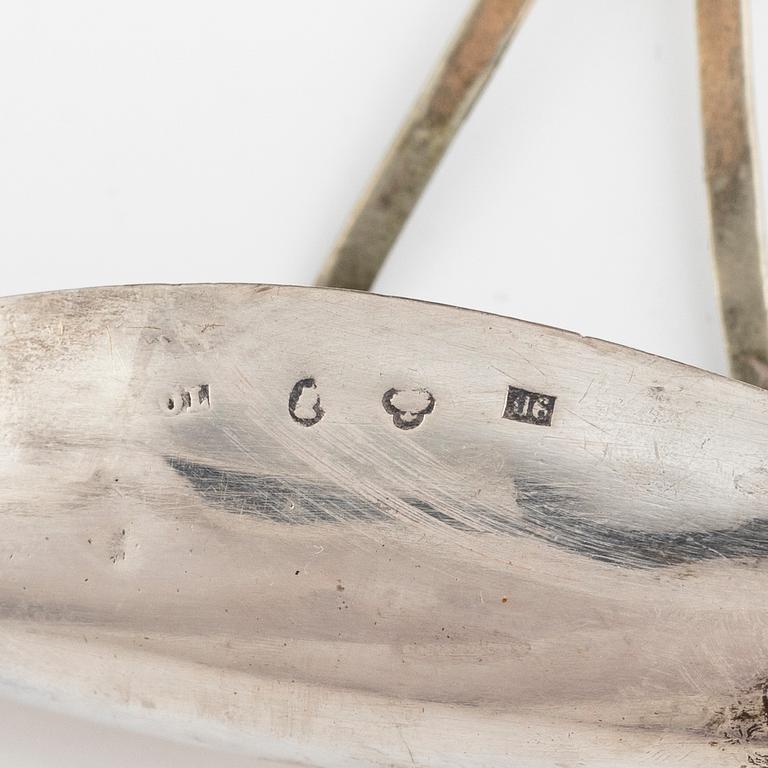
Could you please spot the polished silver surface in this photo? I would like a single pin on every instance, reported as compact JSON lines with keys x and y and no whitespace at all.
{"x":340,"y":529}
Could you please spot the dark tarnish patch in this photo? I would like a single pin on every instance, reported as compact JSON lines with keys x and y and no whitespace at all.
{"x":744,"y":721}
{"x":273,"y":498}
{"x":556,"y":518}
{"x":286,"y":500}
{"x":546,"y":515}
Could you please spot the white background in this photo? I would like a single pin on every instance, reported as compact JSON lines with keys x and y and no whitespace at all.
{"x":170,"y":141}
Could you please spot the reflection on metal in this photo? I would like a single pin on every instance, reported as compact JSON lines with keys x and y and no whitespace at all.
{"x":340,"y":529}
{"x":397,"y":185}
{"x":730,"y":167}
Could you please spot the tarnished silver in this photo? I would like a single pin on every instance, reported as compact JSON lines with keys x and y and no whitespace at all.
{"x":339,"y":529}
{"x":396,"y":187}
{"x":729,"y":145}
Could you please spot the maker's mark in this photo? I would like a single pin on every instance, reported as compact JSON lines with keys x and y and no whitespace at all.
{"x":183,"y":399}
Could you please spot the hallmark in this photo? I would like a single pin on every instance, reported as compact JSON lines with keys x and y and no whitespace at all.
{"x":304,"y":403}
{"x":408,"y":407}
{"x":529,"y":407}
